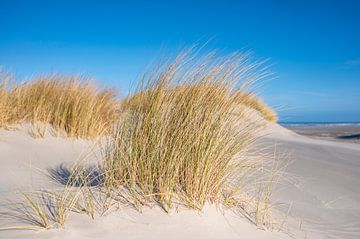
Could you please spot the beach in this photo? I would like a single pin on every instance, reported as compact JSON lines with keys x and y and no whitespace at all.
{"x":180,"y":119}
{"x":322,"y":196}
{"x":25,"y":162}
{"x":318,"y":198}
{"x":346,"y":132}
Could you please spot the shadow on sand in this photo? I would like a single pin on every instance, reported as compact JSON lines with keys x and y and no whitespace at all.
{"x":81,"y":176}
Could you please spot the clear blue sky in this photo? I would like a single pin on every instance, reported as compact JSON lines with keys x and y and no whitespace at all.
{"x":314,"y":47}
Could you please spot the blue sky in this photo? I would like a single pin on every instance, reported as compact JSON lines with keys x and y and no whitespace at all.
{"x":314,"y":48}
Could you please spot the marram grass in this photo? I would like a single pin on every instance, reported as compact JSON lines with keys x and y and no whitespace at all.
{"x":69,"y":104}
{"x":186,"y":135}
{"x":257,"y":104}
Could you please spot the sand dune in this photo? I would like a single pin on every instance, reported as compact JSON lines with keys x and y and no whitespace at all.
{"x":23,"y":158}
{"x":323,"y":193}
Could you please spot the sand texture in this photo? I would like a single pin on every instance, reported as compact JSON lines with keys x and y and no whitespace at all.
{"x":321,"y":194}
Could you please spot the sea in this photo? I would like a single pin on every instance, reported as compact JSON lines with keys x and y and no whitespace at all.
{"x":299,"y":124}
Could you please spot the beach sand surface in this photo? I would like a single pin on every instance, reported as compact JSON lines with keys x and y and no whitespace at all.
{"x":337,"y":132}
{"x":320,"y":193}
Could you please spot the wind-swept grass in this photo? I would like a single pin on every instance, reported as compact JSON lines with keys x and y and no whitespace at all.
{"x":70,"y":104}
{"x":244,"y":98}
{"x":45,"y":209}
{"x":186,"y":134}
{"x":5,"y":111}
{"x":42,"y":209}
{"x":256,"y":103}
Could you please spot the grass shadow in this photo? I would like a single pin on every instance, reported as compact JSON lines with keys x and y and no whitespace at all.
{"x":79,"y":176}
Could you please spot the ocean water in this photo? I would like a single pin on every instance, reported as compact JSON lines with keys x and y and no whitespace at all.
{"x":299,"y":124}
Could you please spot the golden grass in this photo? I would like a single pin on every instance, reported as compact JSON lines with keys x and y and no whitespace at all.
{"x":186,"y":135}
{"x":46,"y":209}
{"x":244,"y":98}
{"x":42,"y":210}
{"x":68,"y":103}
{"x":5,"y":113}
{"x":256,"y":103}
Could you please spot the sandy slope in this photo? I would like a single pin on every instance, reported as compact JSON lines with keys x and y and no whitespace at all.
{"x":22,"y":157}
{"x":324,"y":192}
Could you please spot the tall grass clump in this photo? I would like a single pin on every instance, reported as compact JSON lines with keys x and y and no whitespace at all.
{"x":185,"y":136}
{"x":5,"y":113}
{"x":70,"y":104}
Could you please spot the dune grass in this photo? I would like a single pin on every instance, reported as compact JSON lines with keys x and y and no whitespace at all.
{"x":70,"y":104}
{"x":256,"y":103}
{"x":244,"y":98}
{"x":186,"y":136}
{"x":5,"y":113}
{"x":42,"y":209}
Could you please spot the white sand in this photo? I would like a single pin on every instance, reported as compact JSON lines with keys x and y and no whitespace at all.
{"x":325,"y":195}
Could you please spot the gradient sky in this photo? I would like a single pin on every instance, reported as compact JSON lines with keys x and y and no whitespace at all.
{"x":314,"y":47}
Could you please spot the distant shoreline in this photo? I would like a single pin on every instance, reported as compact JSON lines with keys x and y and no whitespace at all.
{"x":309,"y":124}
{"x":339,"y":131}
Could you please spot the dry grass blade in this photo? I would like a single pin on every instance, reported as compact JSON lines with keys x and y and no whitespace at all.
{"x":32,"y":210}
{"x":38,"y":212}
{"x":44,"y":209}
